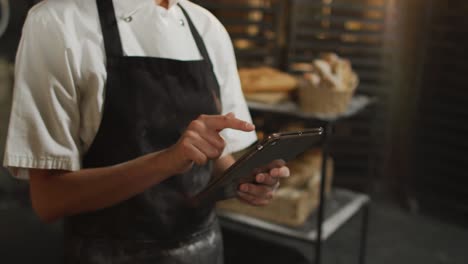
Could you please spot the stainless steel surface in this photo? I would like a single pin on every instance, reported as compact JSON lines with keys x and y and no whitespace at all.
{"x":341,"y":206}
{"x":357,"y":104}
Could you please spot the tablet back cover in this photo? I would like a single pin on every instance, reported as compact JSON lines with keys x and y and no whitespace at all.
{"x":274,"y":151}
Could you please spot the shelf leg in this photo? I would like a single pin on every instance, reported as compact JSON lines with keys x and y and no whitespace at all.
{"x":364,"y":233}
{"x":323,"y":179}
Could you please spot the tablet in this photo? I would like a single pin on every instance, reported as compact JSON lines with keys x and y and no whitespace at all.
{"x":275,"y":150}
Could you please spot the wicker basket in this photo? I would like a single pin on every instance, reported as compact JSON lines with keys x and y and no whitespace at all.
{"x":323,"y":100}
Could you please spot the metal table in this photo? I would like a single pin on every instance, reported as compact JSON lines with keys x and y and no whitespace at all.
{"x":341,"y":206}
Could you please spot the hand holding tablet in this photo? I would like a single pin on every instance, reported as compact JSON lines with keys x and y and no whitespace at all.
{"x":266,"y":182}
{"x":278,"y":147}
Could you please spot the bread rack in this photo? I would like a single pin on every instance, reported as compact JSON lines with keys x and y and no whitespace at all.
{"x":332,"y":212}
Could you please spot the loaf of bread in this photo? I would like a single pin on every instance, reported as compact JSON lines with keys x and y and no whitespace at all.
{"x":265,"y":79}
{"x":297,"y":197}
{"x":306,"y":167}
{"x":267,"y":97}
{"x":332,"y":72}
{"x":289,"y":206}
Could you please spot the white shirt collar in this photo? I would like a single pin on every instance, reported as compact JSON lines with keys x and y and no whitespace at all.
{"x":127,"y":7}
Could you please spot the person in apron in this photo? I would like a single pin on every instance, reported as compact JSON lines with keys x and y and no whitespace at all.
{"x":153,"y":106}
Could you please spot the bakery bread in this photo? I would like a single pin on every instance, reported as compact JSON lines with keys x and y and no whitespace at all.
{"x":266,"y":79}
{"x":332,"y":72}
{"x":329,"y":88}
{"x":297,"y":196}
{"x":267,"y":97}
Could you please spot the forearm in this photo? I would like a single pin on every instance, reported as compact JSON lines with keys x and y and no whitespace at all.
{"x":59,"y":194}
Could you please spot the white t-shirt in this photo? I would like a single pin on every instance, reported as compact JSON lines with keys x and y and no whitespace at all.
{"x":60,"y":74}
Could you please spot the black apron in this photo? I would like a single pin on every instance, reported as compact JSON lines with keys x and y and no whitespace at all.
{"x":148,"y":104}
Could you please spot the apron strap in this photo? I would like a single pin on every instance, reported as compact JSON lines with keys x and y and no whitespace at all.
{"x":110,"y":29}
{"x":198,"y":39}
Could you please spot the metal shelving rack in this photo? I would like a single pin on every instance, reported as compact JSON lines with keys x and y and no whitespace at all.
{"x":332,"y":212}
{"x":254,"y":27}
{"x":354,"y":29}
{"x":284,"y":32}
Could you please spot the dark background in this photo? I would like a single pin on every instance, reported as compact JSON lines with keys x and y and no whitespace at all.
{"x":409,"y":151}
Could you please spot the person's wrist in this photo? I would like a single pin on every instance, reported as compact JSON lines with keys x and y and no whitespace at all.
{"x":173,"y":161}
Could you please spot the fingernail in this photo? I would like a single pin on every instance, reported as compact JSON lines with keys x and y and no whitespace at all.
{"x":249,"y":126}
{"x":260,"y":178}
{"x":244,"y":187}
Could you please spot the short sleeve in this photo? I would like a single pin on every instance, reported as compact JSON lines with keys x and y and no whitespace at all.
{"x":43,"y":131}
{"x":232,"y":97}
